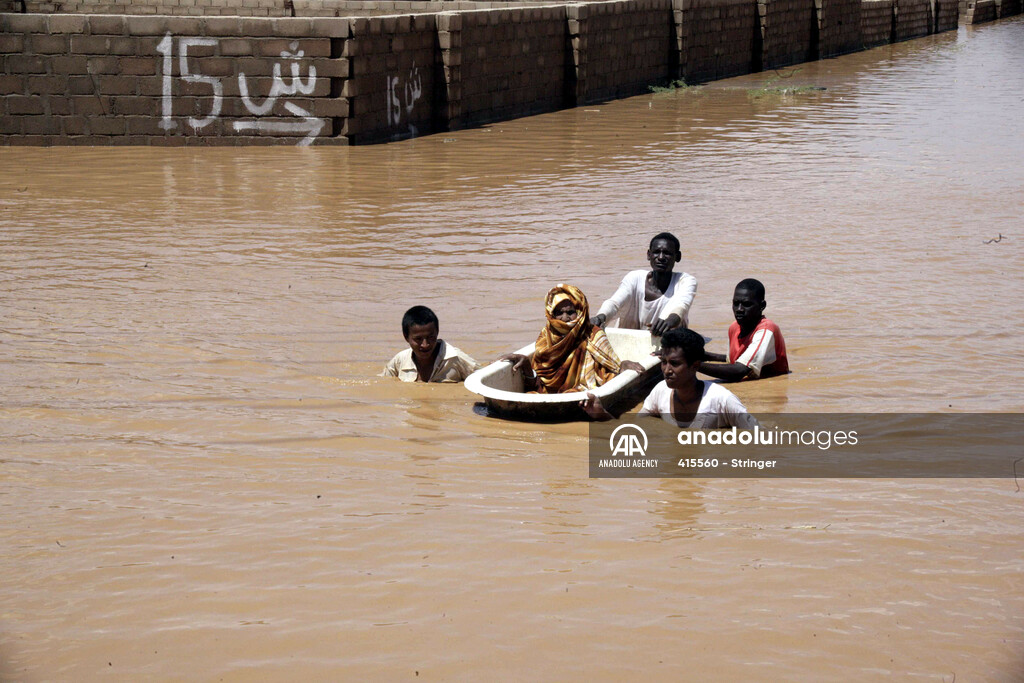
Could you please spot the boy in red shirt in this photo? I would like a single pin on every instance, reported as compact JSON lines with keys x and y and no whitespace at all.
{"x":756,"y":346}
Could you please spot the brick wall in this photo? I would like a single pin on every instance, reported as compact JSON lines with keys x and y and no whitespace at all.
{"x":838,"y":27}
{"x":979,"y":11}
{"x":358,"y":8}
{"x":947,"y":15}
{"x":718,"y":38}
{"x":513,"y":63}
{"x":77,"y":79}
{"x":196,"y":8}
{"x":394,"y":79}
{"x":1007,"y":8}
{"x":876,"y":22}
{"x":913,"y":19}
{"x":250,"y":8}
{"x":789,"y":32}
{"x":627,"y":47}
{"x":173,"y":80}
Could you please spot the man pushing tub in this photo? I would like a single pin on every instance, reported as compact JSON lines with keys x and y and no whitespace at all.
{"x":658,"y":299}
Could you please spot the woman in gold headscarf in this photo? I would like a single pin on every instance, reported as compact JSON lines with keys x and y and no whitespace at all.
{"x":571,"y":353}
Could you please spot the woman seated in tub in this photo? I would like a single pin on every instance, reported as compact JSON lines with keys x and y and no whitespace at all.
{"x":572,"y":354}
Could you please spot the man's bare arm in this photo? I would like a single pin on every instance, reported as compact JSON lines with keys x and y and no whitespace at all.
{"x":730,"y":372}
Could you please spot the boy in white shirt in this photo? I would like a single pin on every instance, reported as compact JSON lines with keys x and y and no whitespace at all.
{"x":428,"y":359}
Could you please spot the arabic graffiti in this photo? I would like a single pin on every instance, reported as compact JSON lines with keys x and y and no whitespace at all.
{"x":295,"y":85}
{"x":278,"y":87}
{"x":412,"y":89}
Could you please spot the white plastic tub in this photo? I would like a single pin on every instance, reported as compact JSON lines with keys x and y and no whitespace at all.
{"x":502,"y":388}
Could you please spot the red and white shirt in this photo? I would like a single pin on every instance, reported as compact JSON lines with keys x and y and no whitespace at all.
{"x":763,"y":350}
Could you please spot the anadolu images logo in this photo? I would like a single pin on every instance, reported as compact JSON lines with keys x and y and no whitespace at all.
{"x":628,"y":441}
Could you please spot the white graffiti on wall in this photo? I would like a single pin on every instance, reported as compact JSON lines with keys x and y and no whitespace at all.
{"x":278,"y":87}
{"x":296,"y":85}
{"x":412,"y":88}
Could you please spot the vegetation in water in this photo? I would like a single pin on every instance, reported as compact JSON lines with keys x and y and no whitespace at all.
{"x":673,"y":86}
{"x":772,"y":86}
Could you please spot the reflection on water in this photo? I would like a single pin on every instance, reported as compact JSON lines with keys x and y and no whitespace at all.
{"x":201,"y":473}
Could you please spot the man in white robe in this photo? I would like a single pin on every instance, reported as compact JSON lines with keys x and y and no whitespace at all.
{"x":658,"y":299}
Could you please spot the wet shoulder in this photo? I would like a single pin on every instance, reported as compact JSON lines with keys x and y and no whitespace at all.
{"x":715,"y":393}
{"x":769,"y":325}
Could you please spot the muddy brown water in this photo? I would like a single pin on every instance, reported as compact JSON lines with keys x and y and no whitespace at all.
{"x":201,"y":478}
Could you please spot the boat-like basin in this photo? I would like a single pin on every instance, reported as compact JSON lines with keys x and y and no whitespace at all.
{"x":502,"y":388}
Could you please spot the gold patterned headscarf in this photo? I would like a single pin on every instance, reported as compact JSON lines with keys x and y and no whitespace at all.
{"x":572,"y":356}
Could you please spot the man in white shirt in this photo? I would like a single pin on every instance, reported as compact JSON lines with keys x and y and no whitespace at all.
{"x":685,"y":401}
{"x":681,"y":399}
{"x":658,"y":300}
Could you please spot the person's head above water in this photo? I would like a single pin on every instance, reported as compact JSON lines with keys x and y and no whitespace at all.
{"x":685,"y":340}
{"x":421,"y":328}
{"x":418,"y":315}
{"x":663,"y":252}
{"x":682,"y":351}
{"x":748,"y":303}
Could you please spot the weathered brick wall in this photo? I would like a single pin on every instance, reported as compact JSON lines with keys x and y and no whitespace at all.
{"x":838,"y":27}
{"x":913,"y":19}
{"x":449,"y":38}
{"x":77,"y":79}
{"x":1007,"y":8}
{"x":165,"y":80}
{"x":876,"y":22}
{"x":947,"y":15}
{"x":393,"y":83}
{"x":788,"y":32}
{"x":979,"y":11}
{"x":627,"y":47}
{"x":251,"y":8}
{"x":718,"y":38}
{"x":359,"y":8}
{"x":513,"y":63}
{"x":196,"y":8}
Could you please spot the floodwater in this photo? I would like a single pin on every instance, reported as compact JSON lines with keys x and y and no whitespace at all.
{"x":201,"y":478}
